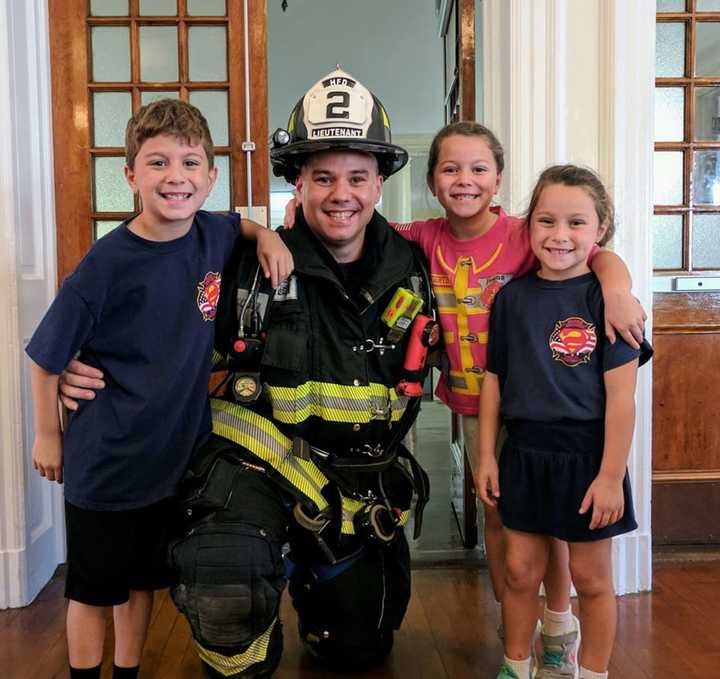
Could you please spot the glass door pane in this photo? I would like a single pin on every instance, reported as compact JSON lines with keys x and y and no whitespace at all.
{"x":109,"y":8}
{"x":111,"y":111}
{"x":667,"y":241}
{"x":219,"y":199}
{"x":668,"y":174}
{"x":159,"y":54}
{"x":707,"y":52}
{"x":707,"y":113}
{"x":206,"y":8}
{"x":207,"y":51}
{"x":670,"y":50}
{"x":706,"y":241}
{"x":669,"y":113}
{"x":158,"y":8}
{"x":110,"y":53}
{"x":214,"y":105}
{"x":112,"y":193}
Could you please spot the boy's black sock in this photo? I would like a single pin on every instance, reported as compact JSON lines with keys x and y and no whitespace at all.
{"x":89,"y":673}
{"x":125,"y":672}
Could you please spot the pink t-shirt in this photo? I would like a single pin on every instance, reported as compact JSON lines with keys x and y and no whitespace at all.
{"x":466,"y":275}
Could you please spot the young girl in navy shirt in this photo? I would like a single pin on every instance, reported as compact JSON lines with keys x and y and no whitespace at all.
{"x":567,"y":398}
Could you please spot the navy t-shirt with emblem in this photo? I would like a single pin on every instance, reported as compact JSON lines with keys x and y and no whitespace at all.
{"x":547,"y":346}
{"x":142,"y":312}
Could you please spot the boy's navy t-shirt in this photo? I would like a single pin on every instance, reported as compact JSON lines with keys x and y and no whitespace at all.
{"x":547,"y":346}
{"x":142,"y":312}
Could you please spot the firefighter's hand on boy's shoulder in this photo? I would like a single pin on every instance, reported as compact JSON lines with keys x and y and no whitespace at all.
{"x":78,"y":382}
{"x":274,"y":257}
{"x":47,"y":456}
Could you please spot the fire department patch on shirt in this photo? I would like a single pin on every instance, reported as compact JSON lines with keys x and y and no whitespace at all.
{"x":208,"y":295}
{"x":573,"y":341}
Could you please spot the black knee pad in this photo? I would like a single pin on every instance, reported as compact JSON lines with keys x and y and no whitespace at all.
{"x":347,"y":613}
{"x":227,"y":580}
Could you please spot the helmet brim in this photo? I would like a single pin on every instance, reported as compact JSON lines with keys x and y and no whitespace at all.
{"x":287,"y":160}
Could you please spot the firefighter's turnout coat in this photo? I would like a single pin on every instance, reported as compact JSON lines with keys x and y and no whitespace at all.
{"x":304,"y":462}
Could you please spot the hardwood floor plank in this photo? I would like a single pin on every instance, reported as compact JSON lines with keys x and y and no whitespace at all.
{"x":449,"y":633}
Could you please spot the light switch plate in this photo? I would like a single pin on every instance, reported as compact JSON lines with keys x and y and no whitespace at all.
{"x":257,"y":213}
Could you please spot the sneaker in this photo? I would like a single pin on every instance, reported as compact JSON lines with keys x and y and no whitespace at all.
{"x":507,"y":673}
{"x":559,"y":658}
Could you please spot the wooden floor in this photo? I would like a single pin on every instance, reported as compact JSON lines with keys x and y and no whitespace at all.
{"x":449,"y":632}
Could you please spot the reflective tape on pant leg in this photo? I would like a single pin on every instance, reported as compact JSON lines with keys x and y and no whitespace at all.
{"x":262,"y":438}
{"x":227,"y":665}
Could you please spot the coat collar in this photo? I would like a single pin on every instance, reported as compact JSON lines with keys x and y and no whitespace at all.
{"x":387,"y":257}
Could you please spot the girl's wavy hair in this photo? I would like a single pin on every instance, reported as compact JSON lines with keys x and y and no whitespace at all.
{"x":574,"y":175}
{"x":466,"y":128}
{"x":167,"y":116}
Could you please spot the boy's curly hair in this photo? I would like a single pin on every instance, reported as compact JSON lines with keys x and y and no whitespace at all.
{"x":167,"y":116}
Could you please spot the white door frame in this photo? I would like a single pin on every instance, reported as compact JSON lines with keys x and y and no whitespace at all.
{"x":31,"y":515}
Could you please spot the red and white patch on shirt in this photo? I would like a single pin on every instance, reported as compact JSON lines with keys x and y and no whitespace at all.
{"x":208,"y":295}
{"x":573,"y":341}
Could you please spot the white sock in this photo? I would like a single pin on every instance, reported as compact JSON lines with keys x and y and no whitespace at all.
{"x":556,"y":623}
{"x":520,"y":667}
{"x":587,"y":674}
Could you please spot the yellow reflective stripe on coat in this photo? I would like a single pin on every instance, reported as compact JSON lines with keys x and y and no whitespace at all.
{"x":217,"y":358}
{"x":262,"y":438}
{"x":336,"y":403}
{"x":228,"y":665}
{"x":350,"y":507}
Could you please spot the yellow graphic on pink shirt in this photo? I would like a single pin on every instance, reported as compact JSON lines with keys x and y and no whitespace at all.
{"x":460,"y":294}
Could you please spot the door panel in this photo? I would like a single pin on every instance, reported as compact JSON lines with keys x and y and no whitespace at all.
{"x":108,"y":58}
{"x":686,"y":426}
{"x":686,"y":254}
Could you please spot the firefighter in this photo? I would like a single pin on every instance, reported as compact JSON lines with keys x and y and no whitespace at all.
{"x":305,"y":479}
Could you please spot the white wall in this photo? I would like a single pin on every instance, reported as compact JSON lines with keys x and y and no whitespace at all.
{"x":31,"y":530}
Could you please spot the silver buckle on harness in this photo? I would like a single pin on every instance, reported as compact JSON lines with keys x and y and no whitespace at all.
{"x":372,"y":451}
{"x":369,"y":345}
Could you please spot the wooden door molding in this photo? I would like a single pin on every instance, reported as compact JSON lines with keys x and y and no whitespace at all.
{"x":71,"y":131}
{"x":460,"y":105}
{"x":466,"y":48}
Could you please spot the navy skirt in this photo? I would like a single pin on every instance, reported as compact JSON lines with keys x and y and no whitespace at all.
{"x":545,"y":471}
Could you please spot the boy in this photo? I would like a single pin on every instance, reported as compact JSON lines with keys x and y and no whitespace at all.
{"x":140,"y":307}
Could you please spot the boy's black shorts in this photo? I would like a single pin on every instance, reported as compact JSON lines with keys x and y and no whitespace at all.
{"x":111,"y":553}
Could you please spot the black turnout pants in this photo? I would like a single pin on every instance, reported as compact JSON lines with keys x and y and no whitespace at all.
{"x":229,"y":573}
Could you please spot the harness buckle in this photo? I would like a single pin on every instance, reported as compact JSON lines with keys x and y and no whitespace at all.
{"x":372,"y":451}
{"x":370,"y":345}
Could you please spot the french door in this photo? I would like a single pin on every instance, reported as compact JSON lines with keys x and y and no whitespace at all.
{"x":108,"y":58}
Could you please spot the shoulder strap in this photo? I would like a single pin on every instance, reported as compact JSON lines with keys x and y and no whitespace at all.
{"x":420,"y":280}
